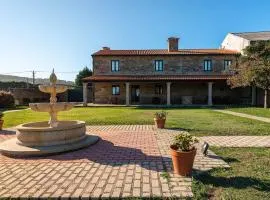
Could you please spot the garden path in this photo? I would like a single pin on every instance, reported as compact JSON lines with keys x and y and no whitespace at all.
{"x":263,"y":119}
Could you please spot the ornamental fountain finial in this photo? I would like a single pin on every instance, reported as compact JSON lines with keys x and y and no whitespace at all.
{"x":53,"y":78}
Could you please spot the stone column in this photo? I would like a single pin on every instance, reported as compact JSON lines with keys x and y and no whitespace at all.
{"x":85,"y":91}
{"x":127,"y":94}
{"x":168,"y":93}
{"x":253,"y":98}
{"x":210,"y":93}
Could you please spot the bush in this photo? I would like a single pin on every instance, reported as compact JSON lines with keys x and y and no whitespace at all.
{"x":184,"y":141}
{"x":161,"y":115}
{"x":6,"y":99}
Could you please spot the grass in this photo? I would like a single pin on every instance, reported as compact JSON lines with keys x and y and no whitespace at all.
{"x":199,"y":121}
{"x":261,"y":112}
{"x":248,"y":178}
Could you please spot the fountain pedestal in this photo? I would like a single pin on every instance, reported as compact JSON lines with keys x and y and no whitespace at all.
{"x":48,"y":137}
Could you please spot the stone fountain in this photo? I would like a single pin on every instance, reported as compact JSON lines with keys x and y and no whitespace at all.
{"x":48,"y":137}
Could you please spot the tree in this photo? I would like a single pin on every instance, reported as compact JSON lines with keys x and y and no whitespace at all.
{"x":253,"y":68}
{"x":85,"y":72}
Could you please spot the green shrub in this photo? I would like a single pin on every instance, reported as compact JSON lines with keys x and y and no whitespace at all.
{"x":6,"y":99}
{"x":161,"y":115}
{"x":1,"y":115}
{"x":184,"y":141}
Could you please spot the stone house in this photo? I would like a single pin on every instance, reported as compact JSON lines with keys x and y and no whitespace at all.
{"x":165,"y":76}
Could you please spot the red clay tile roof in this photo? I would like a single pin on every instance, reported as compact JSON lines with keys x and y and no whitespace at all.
{"x":165,"y":52}
{"x":154,"y":77}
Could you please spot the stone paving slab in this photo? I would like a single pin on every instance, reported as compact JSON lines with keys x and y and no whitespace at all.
{"x":128,"y":161}
{"x":237,"y":141}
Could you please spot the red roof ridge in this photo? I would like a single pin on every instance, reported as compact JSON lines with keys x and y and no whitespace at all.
{"x":164,"y":52}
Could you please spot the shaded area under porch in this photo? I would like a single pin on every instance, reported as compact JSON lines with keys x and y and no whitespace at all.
{"x":171,"y":93}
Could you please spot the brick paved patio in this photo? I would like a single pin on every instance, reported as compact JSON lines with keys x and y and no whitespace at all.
{"x":128,"y":161}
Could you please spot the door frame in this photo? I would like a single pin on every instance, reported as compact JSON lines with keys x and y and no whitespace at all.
{"x":135,"y":99}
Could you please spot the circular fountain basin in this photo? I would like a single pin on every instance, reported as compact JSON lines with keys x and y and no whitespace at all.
{"x":38,"y":138}
{"x":40,"y":134}
{"x":50,"y":89}
{"x":48,"y":107}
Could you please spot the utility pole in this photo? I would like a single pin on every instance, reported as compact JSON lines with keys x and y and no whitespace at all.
{"x":33,"y":73}
{"x":27,"y":83}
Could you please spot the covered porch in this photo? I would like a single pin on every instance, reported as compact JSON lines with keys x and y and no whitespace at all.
{"x":175,"y":90}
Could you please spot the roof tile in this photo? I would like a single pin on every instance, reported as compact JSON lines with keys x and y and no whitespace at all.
{"x":165,"y":52}
{"x":254,"y":36}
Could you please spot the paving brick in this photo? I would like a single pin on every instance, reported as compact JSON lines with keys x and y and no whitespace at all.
{"x":127,"y":187}
{"x":116,"y":193}
{"x":136,"y":192}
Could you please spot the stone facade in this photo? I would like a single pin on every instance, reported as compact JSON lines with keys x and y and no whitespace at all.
{"x":177,"y":64}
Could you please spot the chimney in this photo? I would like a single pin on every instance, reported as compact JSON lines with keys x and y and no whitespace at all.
{"x":173,"y":44}
{"x":106,"y":48}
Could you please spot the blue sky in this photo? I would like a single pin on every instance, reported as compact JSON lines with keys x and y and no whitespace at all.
{"x":40,"y":35}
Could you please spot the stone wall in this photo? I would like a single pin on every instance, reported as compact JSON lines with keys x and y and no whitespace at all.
{"x":23,"y":96}
{"x":144,"y":65}
{"x":103,"y":93}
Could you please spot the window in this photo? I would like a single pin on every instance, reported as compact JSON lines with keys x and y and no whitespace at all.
{"x":158,"y":89}
{"x":158,"y":65}
{"x":115,"y":90}
{"x":115,"y":65}
{"x":207,"y":65}
{"x":227,"y":64}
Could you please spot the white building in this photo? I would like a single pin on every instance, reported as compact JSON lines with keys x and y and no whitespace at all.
{"x":239,"y":41}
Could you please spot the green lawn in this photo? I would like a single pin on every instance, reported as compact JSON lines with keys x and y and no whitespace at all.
{"x":248,"y":178}
{"x":195,"y":120}
{"x":261,"y":112}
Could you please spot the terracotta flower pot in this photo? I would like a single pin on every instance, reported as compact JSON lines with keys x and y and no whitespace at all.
{"x":182,"y":161}
{"x":160,"y":123}
{"x":1,"y":124}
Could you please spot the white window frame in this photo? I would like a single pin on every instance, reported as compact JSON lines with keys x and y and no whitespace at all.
{"x":207,"y":65}
{"x":227,"y":64}
{"x":115,"y":90}
{"x":159,"y":65}
{"x":115,"y":65}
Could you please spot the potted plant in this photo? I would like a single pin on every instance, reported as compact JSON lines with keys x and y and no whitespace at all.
{"x":160,"y":119}
{"x":183,"y":153}
{"x":1,"y":120}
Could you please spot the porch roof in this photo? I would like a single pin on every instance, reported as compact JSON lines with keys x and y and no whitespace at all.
{"x":102,"y":78}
